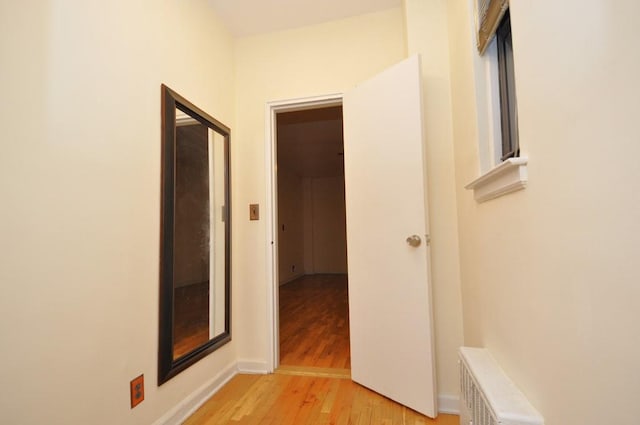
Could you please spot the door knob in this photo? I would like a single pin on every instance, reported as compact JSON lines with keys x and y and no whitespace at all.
{"x":414,"y":240}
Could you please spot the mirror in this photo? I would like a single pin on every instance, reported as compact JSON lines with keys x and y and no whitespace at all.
{"x":195,"y":287}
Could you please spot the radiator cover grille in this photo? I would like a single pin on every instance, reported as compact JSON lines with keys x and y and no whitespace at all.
{"x":477,"y":406}
{"x":488,"y":396}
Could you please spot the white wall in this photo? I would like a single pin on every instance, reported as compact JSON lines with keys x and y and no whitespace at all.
{"x":308,"y":225}
{"x":426,"y":22}
{"x":328,"y":217}
{"x":315,"y":60}
{"x":549,"y":274}
{"x":80,"y":173}
{"x":291,"y":221}
{"x":312,"y":211}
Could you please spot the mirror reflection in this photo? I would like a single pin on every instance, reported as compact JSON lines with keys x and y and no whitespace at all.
{"x":194,"y":305}
{"x":199,"y":235}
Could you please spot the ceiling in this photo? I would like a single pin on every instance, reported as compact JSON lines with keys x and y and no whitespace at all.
{"x":250,"y":17}
{"x":310,"y":142}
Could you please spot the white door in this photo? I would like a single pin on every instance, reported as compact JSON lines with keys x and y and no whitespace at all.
{"x":389,"y":297}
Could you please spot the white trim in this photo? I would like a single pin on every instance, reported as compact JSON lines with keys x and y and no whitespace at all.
{"x":271,"y":108}
{"x":253,"y":368}
{"x":273,"y":350}
{"x":507,"y":177}
{"x":191,"y":403}
{"x":449,"y":404}
{"x":494,"y":130}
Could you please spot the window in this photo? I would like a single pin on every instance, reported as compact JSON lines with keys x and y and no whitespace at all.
{"x":503,"y":170}
{"x":508,"y":110}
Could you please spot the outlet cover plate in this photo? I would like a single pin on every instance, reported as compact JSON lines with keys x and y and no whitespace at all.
{"x":254,"y":212}
{"x":137,"y":390}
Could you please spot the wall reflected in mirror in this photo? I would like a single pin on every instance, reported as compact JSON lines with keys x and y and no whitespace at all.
{"x":195,"y":276}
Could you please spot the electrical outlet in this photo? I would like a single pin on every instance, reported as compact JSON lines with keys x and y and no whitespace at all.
{"x":137,"y":390}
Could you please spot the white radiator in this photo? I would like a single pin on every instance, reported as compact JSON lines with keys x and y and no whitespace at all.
{"x":488,"y":397}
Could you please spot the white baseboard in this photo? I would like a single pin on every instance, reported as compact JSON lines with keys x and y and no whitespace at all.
{"x":256,"y":368}
{"x":449,"y":404}
{"x":190,"y":404}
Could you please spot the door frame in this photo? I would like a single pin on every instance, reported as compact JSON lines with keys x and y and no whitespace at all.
{"x":271,"y":179}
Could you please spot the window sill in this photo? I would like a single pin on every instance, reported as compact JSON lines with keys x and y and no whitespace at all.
{"x":509,"y":176}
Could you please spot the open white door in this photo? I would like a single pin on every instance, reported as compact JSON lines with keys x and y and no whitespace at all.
{"x":389,"y":297}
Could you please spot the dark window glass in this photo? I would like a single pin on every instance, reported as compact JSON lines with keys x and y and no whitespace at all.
{"x":508,"y":109}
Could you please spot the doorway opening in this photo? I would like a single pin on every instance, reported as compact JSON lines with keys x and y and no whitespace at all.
{"x":310,"y":224}
{"x":390,"y":314}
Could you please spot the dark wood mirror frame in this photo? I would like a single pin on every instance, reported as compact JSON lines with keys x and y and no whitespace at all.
{"x":168,"y":365}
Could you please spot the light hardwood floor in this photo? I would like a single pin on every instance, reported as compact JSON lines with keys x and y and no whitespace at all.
{"x":313,"y":384}
{"x":314,"y":322}
{"x":283,"y":399}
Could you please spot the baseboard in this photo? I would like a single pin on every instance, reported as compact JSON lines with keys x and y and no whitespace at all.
{"x":190,"y":404}
{"x":291,"y":279}
{"x":449,"y":404}
{"x":256,"y":368}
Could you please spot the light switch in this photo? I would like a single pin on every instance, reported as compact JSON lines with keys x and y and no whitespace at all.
{"x":254,"y":212}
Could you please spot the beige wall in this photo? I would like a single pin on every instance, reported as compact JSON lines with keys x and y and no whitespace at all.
{"x":426,"y":22}
{"x":325,"y":59}
{"x":80,"y":166}
{"x":81,"y":120}
{"x":549,"y":274}
{"x":315,"y":60}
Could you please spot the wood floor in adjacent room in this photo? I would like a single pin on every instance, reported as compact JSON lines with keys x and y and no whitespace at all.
{"x":313,"y":384}
{"x":314,"y":322}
